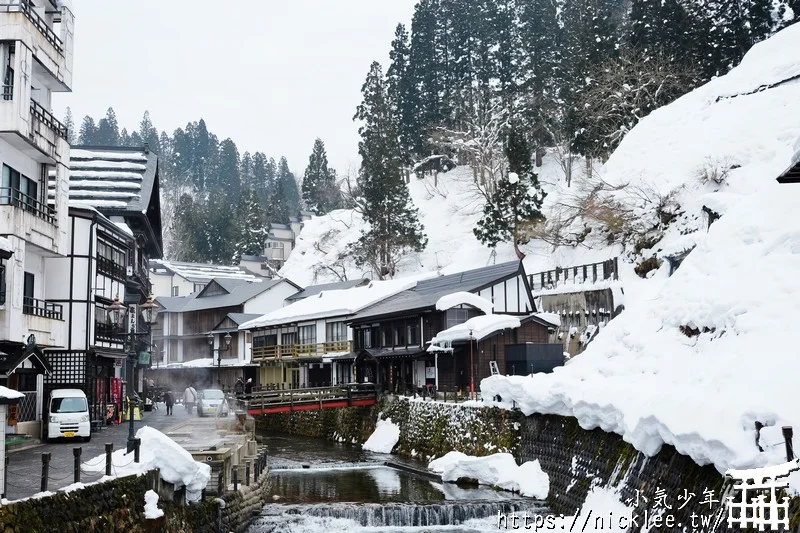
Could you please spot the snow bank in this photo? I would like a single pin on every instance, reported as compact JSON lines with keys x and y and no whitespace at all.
{"x":734,"y":295}
{"x":462,"y":297}
{"x":151,"y":510}
{"x":384,"y":438}
{"x":475,"y":328}
{"x":5,"y":392}
{"x":156,"y":450}
{"x":499,"y":470}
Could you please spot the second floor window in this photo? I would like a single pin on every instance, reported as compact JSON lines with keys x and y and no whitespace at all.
{"x":110,"y":259}
{"x":307,"y":334}
{"x":335,"y":331}
{"x":175,"y":290}
{"x":456,"y":317}
{"x":18,"y":189}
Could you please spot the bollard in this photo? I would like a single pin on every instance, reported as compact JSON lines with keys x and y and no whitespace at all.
{"x":109,"y":448}
{"x":45,"y":470}
{"x":235,"y":478}
{"x":5,"y":480}
{"x":255,"y":472}
{"x":219,"y":481}
{"x":787,"y":438}
{"x":76,"y":452}
{"x":247,"y":473}
{"x":136,"y":444}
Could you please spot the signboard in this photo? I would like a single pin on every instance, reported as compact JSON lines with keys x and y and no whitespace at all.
{"x":430,"y":372}
{"x":144,"y":358}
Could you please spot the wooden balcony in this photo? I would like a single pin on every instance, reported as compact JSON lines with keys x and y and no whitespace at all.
{"x":298,"y":351}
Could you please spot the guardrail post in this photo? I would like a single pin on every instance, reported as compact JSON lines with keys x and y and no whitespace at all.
{"x":255,"y":472}
{"x":45,"y":471}
{"x":136,"y":445}
{"x":76,"y":452}
{"x":109,"y":448}
{"x":247,"y":473}
{"x":235,"y":478}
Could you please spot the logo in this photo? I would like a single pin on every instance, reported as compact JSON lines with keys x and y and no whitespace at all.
{"x":759,"y":505}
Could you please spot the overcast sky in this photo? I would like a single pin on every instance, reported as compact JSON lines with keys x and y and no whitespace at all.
{"x":270,"y":74}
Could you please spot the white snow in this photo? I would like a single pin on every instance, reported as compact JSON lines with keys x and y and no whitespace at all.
{"x":102,"y":184}
{"x":462,"y":297}
{"x":117,"y":165}
{"x":499,"y":470}
{"x":10,"y":394}
{"x":475,"y":328}
{"x":384,"y":438}
{"x":340,"y":302}
{"x":208,"y":272}
{"x":119,"y":175}
{"x":5,"y":245}
{"x":93,"y":154}
{"x":641,"y":377}
{"x":175,"y":464}
{"x":205,"y":362}
{"x":151,"y":509}
{"x":513,"y":177}
{"x":124,"y":227}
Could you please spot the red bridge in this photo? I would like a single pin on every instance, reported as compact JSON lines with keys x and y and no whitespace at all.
{"x":284,"y":401}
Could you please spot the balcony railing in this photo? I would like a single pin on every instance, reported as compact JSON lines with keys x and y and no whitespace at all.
{"x":37,"y":307}
{"x":46,"y":117}
{"x":110,"y":268}
{"x":263,"y":353}
{"x":591,"y":273}
{"x":25,"y":7}
{"x":17,"y":198}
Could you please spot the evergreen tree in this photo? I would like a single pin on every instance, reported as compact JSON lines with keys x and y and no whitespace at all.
{"x":512,"y":209}
{"x":404,"y":97}
{"x":263,"y":180}
{"x":149,"y":134}
{"x":394,"y":229}
{"x":253,"y":230}
{"x":88,"y":132}
{"x":289,"y":189}
{"x":226,"y":176}
{"x":108,"y":130}
{"x":276,"y":207}
{"x":124,"y":138}
{"x":246,"y":172}
{"x":69,"y":123}
{"x":320,"y":193}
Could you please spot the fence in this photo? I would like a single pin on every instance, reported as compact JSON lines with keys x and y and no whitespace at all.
{"x":590,"y":272}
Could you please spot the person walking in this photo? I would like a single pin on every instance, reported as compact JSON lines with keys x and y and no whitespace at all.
{"x":248,"y":388}
{"x":190,"y":398}
{"x":169,"y":401}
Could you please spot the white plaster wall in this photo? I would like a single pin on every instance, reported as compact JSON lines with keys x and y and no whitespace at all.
{"x":270,"y":299}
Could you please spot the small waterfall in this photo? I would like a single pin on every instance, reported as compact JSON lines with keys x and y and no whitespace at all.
{"x":276,"y":518}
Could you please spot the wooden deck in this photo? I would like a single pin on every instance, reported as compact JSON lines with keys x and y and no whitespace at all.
{"x":285,"y":401}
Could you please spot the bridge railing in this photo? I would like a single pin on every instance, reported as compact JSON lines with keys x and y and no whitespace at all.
{"x":266,"y":353}
{"x":271,"y":398}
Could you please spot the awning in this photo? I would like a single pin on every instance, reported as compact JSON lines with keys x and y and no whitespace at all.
{"x":405,"y":353}
{"x":13,"y":355}
{"x":111,"y":355}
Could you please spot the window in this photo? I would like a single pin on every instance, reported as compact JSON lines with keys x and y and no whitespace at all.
{"x":198,"y":287}
{"x":110,"y":259}
{"x":399,"y":334}
{"x":175,"y":290}
{"x":386,"y":335}
{"x":307,"y":334}
{"x":265,"y":340}
{"x":456,"y":317}
{"x":335,"y":331}
{"x":412,"y":332}
{"x":288,"y":338}
{"x":18,"y":189}
{"x":28,"y":305}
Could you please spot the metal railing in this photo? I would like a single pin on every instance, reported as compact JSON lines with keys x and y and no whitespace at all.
{"x":590,"y":272}
{"x":17,"y":198}
{"x":46,"y":117}
{"x":25,"y":7}
{"x":317,"y":396}
{"x":262,"y":353}
{"x":110,"y":268}
{"x":42,"y":308}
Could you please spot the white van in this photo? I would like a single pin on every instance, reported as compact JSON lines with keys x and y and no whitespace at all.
{"x":68,"y":415}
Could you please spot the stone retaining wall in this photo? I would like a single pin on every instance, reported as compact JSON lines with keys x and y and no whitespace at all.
{"x":244,"y":504}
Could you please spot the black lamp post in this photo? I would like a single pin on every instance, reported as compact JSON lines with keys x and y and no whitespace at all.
{"x":471,"y":370}
{"x":219,"y":351}
{"x":119,"y":313}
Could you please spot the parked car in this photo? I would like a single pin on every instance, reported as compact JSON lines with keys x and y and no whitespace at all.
{"x":68,"y":415}
{"x":212,"y":402}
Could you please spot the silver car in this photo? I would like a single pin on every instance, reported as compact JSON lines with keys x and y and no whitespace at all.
{"x":212,"y":402}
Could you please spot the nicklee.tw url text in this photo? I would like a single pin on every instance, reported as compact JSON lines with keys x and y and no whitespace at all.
{"x":594,"y":521}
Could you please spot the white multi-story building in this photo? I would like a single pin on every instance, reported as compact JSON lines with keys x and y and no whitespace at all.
{"x":36,"y":39}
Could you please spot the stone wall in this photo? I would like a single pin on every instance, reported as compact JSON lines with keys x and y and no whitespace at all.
{"x":347,"y":424}
{"x":242,"y":505}
{"x":116,"y":505}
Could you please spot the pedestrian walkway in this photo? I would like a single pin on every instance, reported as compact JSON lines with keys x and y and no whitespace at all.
{"x":24,"y":472}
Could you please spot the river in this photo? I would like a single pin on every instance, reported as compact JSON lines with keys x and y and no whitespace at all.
{"x":319,"y":486}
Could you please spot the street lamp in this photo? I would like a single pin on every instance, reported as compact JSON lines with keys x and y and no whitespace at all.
{"x":219,"y":351}
{"x":118,"y":314}
{"x":471,"y":370}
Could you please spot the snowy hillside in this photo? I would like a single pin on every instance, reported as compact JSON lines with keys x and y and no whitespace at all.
{"x":449,"y":207}
{"x":698,"y":357}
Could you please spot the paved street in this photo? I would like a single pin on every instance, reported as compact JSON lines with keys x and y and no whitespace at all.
{"x":25,"y":465}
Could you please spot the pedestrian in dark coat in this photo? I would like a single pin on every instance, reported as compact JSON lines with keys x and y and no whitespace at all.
{"x":169,"y":401}
{"x":248,"y":387}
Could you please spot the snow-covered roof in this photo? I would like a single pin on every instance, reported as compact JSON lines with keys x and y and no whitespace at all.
{"x":207,"y":362}
{"x":476,"y":328}
{"x":336,"y":303}
{"x":717,"y":333}
{"x":10,"y":394}
{"x":462,"y":297}
{"x":199,"y":272}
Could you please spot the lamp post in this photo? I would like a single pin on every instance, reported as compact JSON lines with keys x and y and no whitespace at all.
{"x":219,"y":351}
{"x":471,"y":370}
{"x":119,"y":313}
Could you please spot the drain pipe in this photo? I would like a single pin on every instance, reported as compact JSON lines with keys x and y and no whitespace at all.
{"x":220,"y":506}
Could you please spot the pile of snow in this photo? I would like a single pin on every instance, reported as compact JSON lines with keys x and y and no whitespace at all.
{"x":476,"y":328}
{"x":462,"y":297}
{"x":384,"y":438}
{"x":10,"y":394}
{"x":175,"y":464}
{"x":734,"y":294}
{"x":498,"y":470}
{"x":151,"y":509}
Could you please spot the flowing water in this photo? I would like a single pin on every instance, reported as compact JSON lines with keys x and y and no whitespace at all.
{"x":318,"y":486}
